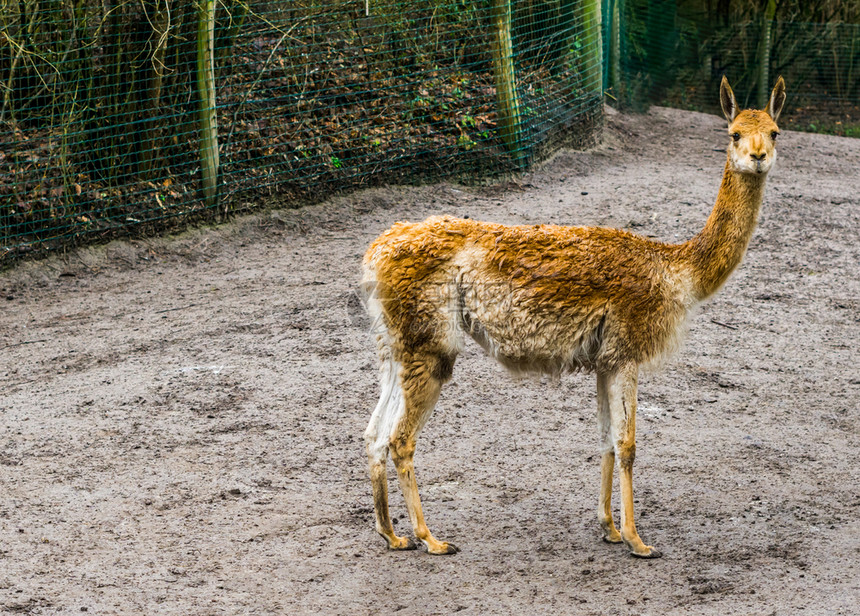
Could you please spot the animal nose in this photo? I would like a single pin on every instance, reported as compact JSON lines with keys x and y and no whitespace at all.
{"x":759,"y":157}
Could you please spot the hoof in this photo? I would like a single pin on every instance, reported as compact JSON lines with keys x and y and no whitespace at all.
{"x":405,"y":544}
{"x":610,"y":533}
{"x":446,"y":548}
{"x":651,"y":553}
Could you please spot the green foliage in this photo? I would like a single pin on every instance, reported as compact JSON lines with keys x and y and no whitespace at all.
{"x":465,"y":142}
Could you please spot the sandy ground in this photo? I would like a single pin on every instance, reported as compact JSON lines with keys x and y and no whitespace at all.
{"x":182,"y":418}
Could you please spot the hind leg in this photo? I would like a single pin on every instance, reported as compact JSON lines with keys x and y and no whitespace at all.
{"x":421,"y":381}
{"x":376,"y":439}
{"x":379,"y":480}
{"x":607,"y":463}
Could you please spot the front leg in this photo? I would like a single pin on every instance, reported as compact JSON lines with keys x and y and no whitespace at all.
{"x":621,"y":391}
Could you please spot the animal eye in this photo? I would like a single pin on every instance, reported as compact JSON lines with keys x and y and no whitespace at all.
{"x":774,"y":135}
{"x":736,"y":136}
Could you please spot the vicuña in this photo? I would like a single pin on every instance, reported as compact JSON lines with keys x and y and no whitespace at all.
{"x":548,"y":299}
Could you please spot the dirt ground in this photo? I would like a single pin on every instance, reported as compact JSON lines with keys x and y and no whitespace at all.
{"x":182,"y":417}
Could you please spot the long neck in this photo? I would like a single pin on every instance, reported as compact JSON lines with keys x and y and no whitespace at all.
{"x":719,"y":248}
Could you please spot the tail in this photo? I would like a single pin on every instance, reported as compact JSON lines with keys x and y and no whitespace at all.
{"x":391,"y":404}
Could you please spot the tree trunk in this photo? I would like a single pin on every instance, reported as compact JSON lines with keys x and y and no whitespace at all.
{"x":160,"y":20}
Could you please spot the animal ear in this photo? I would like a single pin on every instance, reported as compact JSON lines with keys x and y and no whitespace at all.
{"x":727,"y":101}
{"x":777,"y":100}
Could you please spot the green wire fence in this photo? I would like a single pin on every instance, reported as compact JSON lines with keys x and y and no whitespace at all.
{"x":674,"y":53}
{"x":139,"y":114}
{"x":119,"y":115}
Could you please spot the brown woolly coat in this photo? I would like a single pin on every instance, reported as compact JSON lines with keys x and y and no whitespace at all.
{"x":552,"y":298}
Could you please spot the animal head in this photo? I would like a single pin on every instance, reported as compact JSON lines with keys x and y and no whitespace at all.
{"x":753,"y":132}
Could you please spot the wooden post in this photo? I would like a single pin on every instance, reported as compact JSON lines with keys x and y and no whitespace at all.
{"x":614,"y":45}
{"x":592,"y":80}
{"x":764,"y":55}
{"x":507,"y":99}
{"x":208,"y":127}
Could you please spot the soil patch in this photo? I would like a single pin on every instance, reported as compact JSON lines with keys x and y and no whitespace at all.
{"x":182,"y":417}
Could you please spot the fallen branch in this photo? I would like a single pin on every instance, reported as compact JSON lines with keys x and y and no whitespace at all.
{"x":172,"y":309}
{"x":720,"y":323}
{"x":9,"y":346}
